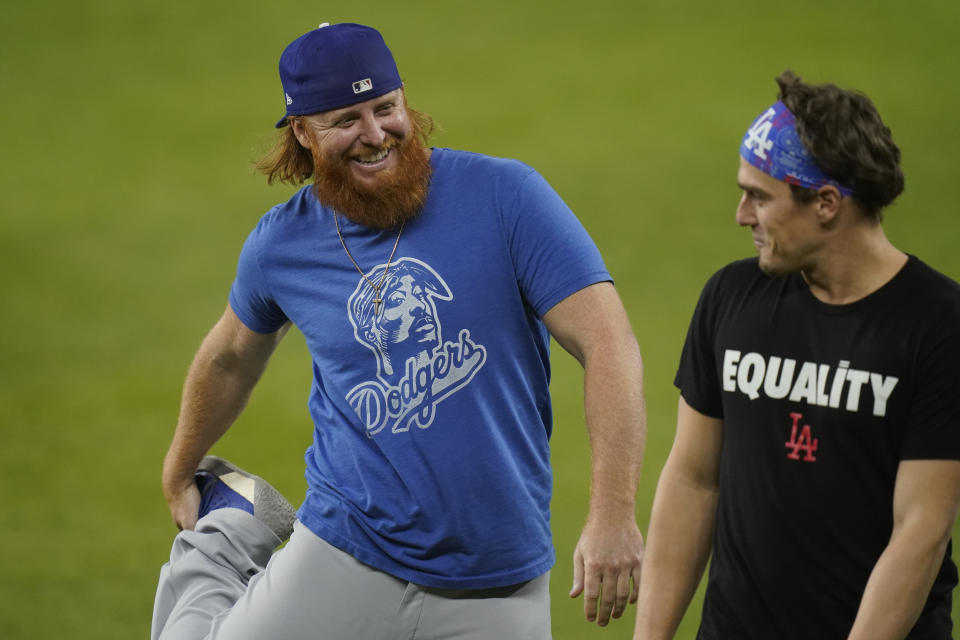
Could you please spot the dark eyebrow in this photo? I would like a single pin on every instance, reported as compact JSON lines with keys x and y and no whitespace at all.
{"x":754,"y":191}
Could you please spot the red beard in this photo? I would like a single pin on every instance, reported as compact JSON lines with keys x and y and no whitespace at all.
{"x":398,"y":196}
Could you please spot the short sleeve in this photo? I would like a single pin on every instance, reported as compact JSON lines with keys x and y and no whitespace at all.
{"x":697,"y":376}
{"x":933,"y":428}
{"x":552,"y":253}
{"x":250,"y":296}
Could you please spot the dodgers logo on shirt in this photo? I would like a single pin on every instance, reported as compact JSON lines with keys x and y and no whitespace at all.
{"x":415,"y":367}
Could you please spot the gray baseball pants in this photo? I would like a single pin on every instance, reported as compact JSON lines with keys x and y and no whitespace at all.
{"x":224,"y":582}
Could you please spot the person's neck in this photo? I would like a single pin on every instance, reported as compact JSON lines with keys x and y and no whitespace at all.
{"x":854,"y":265}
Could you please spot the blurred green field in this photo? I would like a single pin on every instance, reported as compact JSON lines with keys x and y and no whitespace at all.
{"x":126,"y":190}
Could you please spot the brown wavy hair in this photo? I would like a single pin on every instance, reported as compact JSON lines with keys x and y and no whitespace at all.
{"x":843,"y":132}
{"x":289,"y":162}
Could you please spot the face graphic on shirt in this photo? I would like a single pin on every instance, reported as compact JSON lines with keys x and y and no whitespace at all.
{"x":406,"y":326}
{"x":415,"y":367}
{"x":405,"y":323}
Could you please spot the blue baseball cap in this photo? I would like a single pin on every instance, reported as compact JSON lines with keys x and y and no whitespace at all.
{"x":335,"y":66}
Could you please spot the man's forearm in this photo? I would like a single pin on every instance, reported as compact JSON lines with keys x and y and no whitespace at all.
{"x":616,"y":424}
{"x":926,"y":500}
{"x":899,"y":585}
{"x":213,"y":397}
{"x":678,"y":547}
{"x":220,"y":380}
{"x":608,"y":555}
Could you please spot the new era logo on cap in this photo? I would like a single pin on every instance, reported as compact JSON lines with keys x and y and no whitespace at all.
{"x":362,"y":86}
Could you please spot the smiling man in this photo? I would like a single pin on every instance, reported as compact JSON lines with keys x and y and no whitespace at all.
{"x":427,"y":283}
{"x":817,"y":451}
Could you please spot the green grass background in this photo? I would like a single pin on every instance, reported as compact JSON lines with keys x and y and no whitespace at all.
{"x":126,"y":190}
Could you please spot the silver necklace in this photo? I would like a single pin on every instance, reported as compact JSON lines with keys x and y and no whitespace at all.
{"x":377,"y":300}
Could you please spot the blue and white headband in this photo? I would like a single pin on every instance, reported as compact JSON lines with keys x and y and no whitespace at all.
{"x":773,"y":146}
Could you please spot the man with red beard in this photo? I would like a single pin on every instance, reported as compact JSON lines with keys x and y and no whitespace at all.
{"x":427,"y":283}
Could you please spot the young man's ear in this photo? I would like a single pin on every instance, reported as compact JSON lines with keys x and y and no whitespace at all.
{"x":828,"y":203}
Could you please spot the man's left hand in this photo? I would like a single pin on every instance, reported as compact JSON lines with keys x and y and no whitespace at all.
{"x":606,"y":569}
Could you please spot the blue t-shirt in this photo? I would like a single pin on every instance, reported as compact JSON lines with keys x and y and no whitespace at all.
{"x":432,"y":418}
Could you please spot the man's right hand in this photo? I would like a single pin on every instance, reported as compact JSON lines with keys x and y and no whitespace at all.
{"x":184,"y":503}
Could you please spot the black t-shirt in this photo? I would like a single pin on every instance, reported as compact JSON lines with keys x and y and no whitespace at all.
{"x":819,"y":404}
